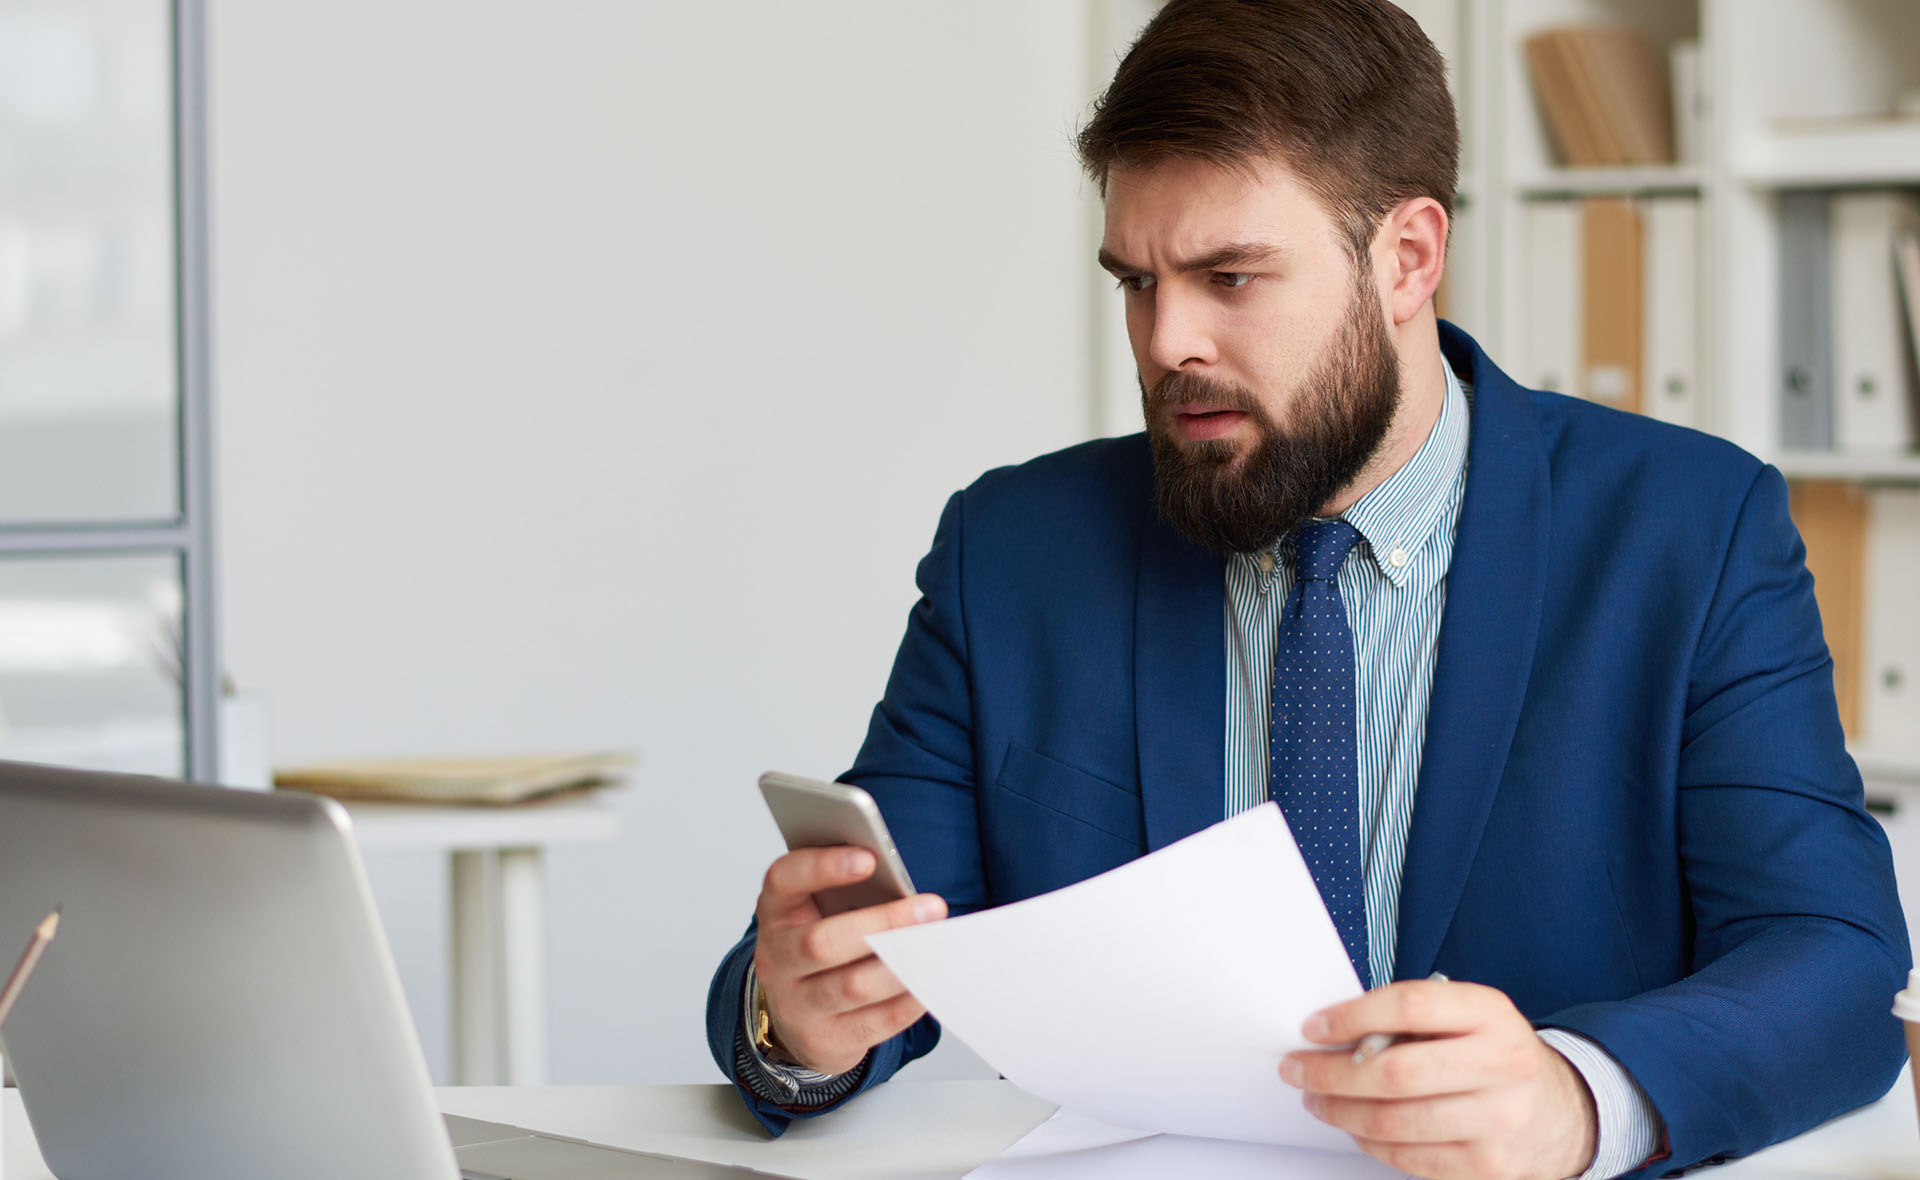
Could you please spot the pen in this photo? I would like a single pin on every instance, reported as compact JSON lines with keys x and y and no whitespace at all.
{"x":29,"y":959}
{"x":1374,"y":1044}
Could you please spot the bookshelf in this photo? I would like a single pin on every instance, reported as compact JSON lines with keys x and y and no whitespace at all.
{"x":1792,"y":97}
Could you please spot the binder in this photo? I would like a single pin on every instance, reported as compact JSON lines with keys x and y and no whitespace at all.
{"x":1890,"y":720}
{"x":1873,"y":366}
{"x":1613,"y":354}
{"x":1670,"y":389}
{"x":1832,"y":519}
{"x":1552,"y":298}
{"x":1806,"y":322}
{"x":1906,"y":258}
{"x":1689,"y":103}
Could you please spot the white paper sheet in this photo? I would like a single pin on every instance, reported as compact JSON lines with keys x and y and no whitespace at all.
{"x":1159,"y":996}
{"x":1070,"y":1147}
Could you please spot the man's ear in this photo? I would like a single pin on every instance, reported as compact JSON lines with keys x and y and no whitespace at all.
{"x":1413,"y":248}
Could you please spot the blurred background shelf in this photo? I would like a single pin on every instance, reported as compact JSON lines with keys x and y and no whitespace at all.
{"x":1869,"y":467}
{"x":1603,"y":181}
{"x":1889,"y":766}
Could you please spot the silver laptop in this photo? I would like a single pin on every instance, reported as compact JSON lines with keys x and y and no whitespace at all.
{"x":220,"y":1003}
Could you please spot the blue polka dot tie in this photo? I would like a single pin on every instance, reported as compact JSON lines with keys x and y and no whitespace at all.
{"x":1313,"y":771}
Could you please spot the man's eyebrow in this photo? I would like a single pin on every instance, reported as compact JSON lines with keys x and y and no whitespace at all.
{"x":1227,"y":257}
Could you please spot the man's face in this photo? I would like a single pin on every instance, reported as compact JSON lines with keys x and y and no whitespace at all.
{"x":1267,"y":373}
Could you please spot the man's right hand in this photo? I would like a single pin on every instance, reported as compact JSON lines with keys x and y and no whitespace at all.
{"x":829,"y":998}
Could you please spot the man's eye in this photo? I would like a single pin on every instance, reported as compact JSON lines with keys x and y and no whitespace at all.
{"x":1231,"y":279}
{"x":1136,"y":282}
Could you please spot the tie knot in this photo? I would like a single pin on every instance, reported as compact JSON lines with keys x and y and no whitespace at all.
{"x":1320,"y":547}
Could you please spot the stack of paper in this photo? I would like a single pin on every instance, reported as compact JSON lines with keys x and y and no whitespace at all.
{"x":1069,"y":1147}
{"x":458,"y":780}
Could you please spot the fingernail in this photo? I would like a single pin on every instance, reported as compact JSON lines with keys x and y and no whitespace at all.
{"x":1312,"y":1103}
{"x":927,"y":909}
{"x":1317,"y":1028}
{"x":1290,"y":1071}
{"x":856,"y":862}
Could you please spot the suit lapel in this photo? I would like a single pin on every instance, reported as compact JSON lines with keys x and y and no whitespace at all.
{"x":1180,"y":684}
{"x":1485,"y":653}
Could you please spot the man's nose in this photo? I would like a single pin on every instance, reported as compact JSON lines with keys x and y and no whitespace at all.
{"x":1182,"y":335}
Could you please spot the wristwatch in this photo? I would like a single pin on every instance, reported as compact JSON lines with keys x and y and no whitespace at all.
{"x":761,"y":1026}
{"x":770,"y":1074}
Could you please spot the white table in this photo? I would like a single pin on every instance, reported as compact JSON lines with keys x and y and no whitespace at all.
{"x":498,"y":916}
{"x":909,"y":1130}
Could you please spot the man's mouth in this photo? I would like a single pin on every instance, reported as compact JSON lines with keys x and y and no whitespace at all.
{"x":1200,"y":423}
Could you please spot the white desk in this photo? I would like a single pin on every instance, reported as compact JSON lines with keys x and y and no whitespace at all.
{"x":909,"y":1130}
{"x":498,"y":916}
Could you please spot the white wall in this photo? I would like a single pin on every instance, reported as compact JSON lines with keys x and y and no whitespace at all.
{"x":591,"y":374}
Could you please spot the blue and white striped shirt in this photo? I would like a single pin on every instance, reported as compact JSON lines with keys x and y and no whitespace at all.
{"x":1394,"y":589}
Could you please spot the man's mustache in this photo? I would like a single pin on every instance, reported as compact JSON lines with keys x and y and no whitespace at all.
{"x":1179,"y":389}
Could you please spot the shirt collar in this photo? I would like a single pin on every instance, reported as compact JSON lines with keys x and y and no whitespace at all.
{"x":1399,"y":518}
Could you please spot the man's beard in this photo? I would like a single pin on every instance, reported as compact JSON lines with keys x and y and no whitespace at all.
{"x":1336,"y":421}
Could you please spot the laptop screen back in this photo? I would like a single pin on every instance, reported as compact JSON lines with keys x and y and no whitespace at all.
{"x":220,"y":1002}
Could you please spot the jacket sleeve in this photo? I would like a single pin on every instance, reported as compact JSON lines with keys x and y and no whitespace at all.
{"x":1799,"y":940}
{"x":917,"y":762}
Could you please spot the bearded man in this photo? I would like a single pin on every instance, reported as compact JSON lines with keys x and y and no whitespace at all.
{"x":1573,"y":741}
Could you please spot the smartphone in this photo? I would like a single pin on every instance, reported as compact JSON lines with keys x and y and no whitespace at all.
{"x":816,"y":814}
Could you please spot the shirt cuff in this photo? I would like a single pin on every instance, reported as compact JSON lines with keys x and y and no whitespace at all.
{"x":1629,"y":1131}
{"x":784,"y":1085}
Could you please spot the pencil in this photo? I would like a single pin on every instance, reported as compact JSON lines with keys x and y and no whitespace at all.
{"x":1374,"y":1044}
{"x":30,"y":958}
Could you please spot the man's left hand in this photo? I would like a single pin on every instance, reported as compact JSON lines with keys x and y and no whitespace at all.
{"x":1478,"y":1096}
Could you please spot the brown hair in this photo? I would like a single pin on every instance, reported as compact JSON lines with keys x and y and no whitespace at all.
{"x":1350,"y":94}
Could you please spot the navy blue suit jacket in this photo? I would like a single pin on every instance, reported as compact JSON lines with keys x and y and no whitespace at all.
{"x":1635,"y":813}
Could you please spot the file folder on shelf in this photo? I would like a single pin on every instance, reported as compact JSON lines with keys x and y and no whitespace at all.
{"x":1874,"y":381}
{"x":1613,"y":256}
{"x":1670,"y":389}
{"x":1552,"y":340}
{"x":1906,"y":261}
{"x":1832,"y":519}
{"x":1890,"y":641}
{"x":1806,"y":322}
{"x":1689,"y":102}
